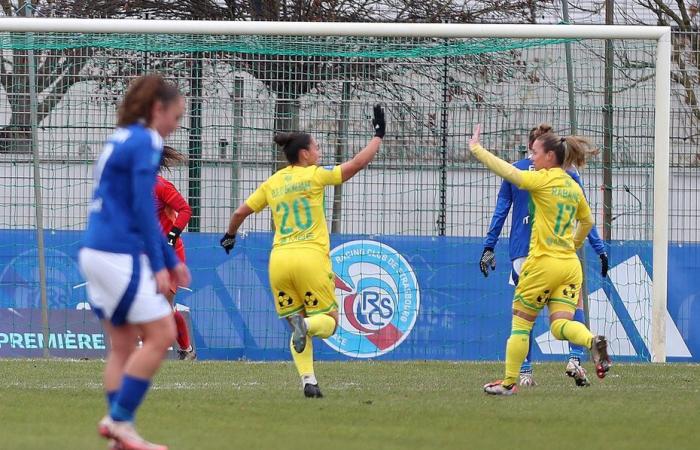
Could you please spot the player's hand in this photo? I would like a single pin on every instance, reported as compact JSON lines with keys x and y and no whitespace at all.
{"x":604,"y":264}
{"x":227,"y":242}
{"x":475,"y":136}
{"x":488,"y":259}
{"x":173,"y":235}
{"x":378,"y":121}
{"x":163,"y":281}
{"x":181,"y":275}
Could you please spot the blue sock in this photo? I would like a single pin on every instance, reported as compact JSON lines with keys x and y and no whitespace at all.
{"x":129,"y":398}
{"x":111,"y":396}
{"x":578,"y":351}
{"x":527,"y":364}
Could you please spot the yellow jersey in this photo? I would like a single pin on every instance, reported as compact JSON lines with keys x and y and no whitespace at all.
{"x":296,"y":197}
{"x":555,"y":201}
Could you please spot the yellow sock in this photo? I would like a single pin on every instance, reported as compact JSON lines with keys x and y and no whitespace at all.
{"x":304,"y":360}
{"x":572,"y":331}
{"x":320,"y":325}
{"x":516,"y":349}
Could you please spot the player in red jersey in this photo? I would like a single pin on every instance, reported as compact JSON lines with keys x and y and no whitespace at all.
{"x":173,"y":214}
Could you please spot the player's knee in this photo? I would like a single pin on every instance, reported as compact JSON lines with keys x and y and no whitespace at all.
{"x":333,"y":315}
{"x":122,"y":348}
{"x":163,"y":335}
{"x":557,"y":328}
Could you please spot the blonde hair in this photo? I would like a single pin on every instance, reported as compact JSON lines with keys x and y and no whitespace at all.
{"x":570,"y":150}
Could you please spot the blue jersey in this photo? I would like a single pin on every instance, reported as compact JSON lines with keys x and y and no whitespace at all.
{"x":122,"y":215}
{"x":520,"y":230}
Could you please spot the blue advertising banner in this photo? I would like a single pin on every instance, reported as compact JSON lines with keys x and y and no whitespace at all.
{"x":399,"y":297}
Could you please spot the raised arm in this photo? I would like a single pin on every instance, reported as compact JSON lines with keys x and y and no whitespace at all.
{"x":494,"y":163}
{"x":350,"y":168}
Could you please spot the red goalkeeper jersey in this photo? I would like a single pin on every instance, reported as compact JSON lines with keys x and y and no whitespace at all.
{"x":172,"y":210}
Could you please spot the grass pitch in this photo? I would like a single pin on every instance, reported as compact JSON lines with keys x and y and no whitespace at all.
{"x":56,"y":404}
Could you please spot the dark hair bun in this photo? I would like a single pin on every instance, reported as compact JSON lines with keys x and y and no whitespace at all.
{"x":282,"y":139}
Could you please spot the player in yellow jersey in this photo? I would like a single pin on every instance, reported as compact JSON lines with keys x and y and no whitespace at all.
{"x":551,"y":275}
{"x":301,"y":276}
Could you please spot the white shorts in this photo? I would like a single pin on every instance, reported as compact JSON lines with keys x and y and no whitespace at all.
{"x":121,"y":288}
{"x":517,"y":266}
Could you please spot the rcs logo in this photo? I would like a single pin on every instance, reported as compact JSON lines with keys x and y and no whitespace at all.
{"x":374,"y":309}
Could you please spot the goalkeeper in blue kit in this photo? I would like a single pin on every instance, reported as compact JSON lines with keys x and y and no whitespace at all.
{"x":509,"y":195}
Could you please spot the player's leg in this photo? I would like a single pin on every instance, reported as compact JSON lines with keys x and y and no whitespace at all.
{"x":315,"y":279}
{"x":185,"y":352}
{"x":577,"y":353}
{"x":122,"y":344}
{"x":139,"y":370}
{"x":114,"y":281}
{"x":151,"y":316}
{"x":530,"y":298}
{"x":289,"y":306}
{"x":562,"y":307}
{"x":526,"y":374}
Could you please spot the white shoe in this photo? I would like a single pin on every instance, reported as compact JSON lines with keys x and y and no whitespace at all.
{"x":575,"y":370}
{"x":497,"y":388}
{"x":526,"y":379}
{"x":125,"y":436}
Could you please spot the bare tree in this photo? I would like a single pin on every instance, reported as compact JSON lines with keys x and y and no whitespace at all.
{"x":683,"y":17}
{"x":56,"y":69}
{"x":289,"y":77}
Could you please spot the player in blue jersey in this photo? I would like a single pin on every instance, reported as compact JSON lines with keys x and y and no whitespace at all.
{"x":509,"y":195}
{"x":126,"y":258}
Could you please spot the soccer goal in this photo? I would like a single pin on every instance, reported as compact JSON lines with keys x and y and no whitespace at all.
{"x":406,"y":234}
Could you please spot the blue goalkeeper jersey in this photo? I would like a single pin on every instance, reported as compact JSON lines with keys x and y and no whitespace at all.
{"x":520,"y":231}
{"x":122,"y":214}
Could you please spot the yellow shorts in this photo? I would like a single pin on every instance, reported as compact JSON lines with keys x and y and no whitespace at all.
{"x":548,"y":281}
{"x":302,"y":280}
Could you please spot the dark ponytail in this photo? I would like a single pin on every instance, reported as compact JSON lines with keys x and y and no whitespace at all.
{"x":171,"y":157}
{"x":142,"y":94}
{"x":292,"y":143}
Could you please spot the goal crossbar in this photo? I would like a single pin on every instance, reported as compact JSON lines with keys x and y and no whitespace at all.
{"x":438,"y":30}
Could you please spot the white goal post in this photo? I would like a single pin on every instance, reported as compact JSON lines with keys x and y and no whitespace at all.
{"x":662,"y":36}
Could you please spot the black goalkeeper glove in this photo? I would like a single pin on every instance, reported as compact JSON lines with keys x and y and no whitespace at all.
{"x":378,"y":121}
{"x":173,"y":236}
{"x":488,"y":259}
{"x":227,"y":242}
{"x":604,"y":265}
